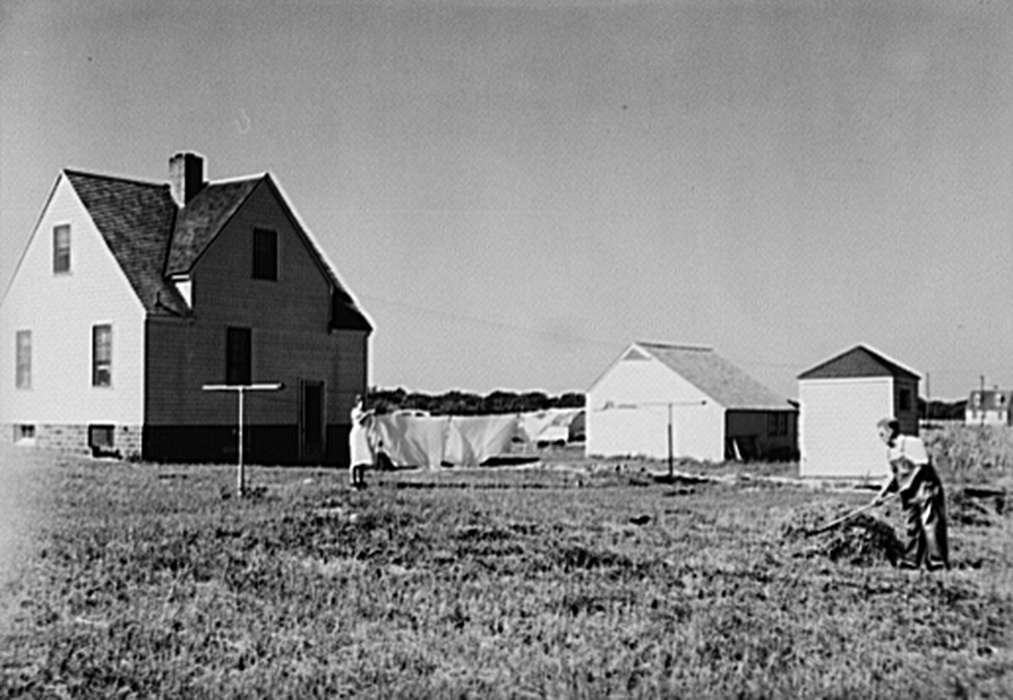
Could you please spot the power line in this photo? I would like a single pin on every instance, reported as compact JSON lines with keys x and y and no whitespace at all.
{"x":494,"y":323}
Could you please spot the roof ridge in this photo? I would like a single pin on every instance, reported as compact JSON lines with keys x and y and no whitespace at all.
{"x":676,"y":346}
{"x":237,"y":179}
{"x":118,"y":178}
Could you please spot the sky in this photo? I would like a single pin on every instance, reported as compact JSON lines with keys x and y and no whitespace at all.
{"x":514,"y":190}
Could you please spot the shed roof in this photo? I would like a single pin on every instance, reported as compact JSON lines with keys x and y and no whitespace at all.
{"x":715,"y":376}
{"x":859,"y":361}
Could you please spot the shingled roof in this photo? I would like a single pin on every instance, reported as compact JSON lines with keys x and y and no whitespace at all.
{"x":135,"y":219}
{"x":859,"y":361}
{"x":202,"y":218}
{"x":715,"y":376}
{"x":153,"y":239}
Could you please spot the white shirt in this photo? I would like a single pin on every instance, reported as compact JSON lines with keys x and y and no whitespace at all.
{"x":906,"y":456}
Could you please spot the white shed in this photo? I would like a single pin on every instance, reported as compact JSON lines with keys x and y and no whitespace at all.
{"x":841,"y":400}
{"x":716,"y":410}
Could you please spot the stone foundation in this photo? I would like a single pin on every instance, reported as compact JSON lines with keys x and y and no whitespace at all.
{"x":73,"y":438}
{"x":263,"y":444}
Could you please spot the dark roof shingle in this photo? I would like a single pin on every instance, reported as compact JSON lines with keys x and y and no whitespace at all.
{"x":135,"y":219}
{"x":202,"y":218}
{"x":153,"y":239}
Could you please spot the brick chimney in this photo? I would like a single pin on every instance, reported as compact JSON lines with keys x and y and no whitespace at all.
{"x":186,"y":176}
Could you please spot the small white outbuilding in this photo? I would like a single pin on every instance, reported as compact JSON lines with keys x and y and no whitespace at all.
{"x":841,"y":399}
{"x":716,"y":411}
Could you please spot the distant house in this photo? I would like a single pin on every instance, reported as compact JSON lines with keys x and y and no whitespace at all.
{"x":989,"y":407}
{"x":716,"y":410}
{"x":130,"y":296}
{"x":841,"y":399}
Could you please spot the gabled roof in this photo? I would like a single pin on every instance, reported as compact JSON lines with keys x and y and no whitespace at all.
{"x":859,"y":361}
{"x":152,"y":239}
{"x":134,"y":218}
{"x":202,"y":218}
{"x":715,"y":376}
{"x":989,"y":396}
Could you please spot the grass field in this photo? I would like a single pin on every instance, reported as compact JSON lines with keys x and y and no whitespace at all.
{"x":138,"y":580}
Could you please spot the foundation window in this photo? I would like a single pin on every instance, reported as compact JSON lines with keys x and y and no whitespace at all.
{"x":101,"y":437}
{"x":24,"y":434}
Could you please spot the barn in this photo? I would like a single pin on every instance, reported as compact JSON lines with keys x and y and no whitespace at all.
{"x":841,"y":400}
{"x":705,"y":405}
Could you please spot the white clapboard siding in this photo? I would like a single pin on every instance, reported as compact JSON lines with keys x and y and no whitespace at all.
{"x":627,"y":414}
{"x":60,"y":310}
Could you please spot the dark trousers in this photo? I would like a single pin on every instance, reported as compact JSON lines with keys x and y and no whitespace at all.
{"x":924,"y":510}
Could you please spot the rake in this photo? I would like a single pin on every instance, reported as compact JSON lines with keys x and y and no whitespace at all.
{"x":844,"y":518}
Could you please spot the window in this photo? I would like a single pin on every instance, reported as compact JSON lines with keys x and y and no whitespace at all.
{"x":24,"y":434}
{"x":237,"y":355}
{"x":23,"y":351}
{"x":101,"y":436}
{"x":904,"y":400}
{"x":102,"y":355}
{"x":265,"y":254}
{"x":777,"y":424}
{"x":61,"y":248}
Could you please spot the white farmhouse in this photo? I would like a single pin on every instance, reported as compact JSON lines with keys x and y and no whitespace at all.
{"x":716,"y":411}
{"x":989,"y":407}
{"x":841,"y":400}
{"x":130,"y":296}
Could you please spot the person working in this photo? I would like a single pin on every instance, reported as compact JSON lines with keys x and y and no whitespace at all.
{"x":360,"y":445}
{"x":921,"y":495}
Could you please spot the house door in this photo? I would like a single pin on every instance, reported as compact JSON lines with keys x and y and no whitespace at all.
{"x":311,"y":420}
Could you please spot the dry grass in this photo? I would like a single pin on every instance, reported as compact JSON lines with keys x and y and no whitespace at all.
{"x":143,"y":580}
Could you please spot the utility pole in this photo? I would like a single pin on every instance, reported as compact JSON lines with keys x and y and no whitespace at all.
{"x":240,"y":390}
{"x":671,"y":463}
{"x":982,"y":395}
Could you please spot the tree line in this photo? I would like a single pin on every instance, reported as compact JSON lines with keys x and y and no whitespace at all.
{"x":941,"y":410}
{"x":463,"y":403}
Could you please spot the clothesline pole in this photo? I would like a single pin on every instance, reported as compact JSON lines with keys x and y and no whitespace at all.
{"x":240,"y":390}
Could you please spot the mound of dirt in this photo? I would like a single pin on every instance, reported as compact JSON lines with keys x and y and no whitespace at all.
{"x":863,"y":540}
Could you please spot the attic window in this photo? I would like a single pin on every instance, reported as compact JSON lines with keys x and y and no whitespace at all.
{"x":265,"y":254}
{"x":61,"y":248}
